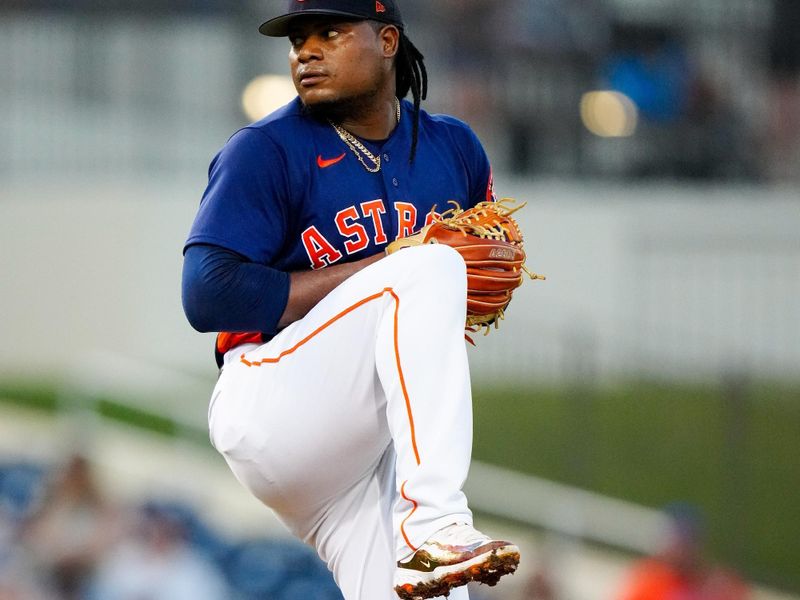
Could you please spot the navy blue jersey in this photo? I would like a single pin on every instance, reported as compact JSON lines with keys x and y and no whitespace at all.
{"x":287,"y":192}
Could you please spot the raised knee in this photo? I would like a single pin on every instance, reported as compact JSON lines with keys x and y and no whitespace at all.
{"x":437,"y":257}
{"x":436,"y":266}
{"x":446,"y":258}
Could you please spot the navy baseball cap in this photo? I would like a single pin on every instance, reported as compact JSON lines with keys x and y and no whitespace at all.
{"x":385,"y":11}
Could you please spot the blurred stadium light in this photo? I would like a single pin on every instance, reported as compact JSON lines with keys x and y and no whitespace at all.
{"x":609,"y":114}
{"x":265,"y":94}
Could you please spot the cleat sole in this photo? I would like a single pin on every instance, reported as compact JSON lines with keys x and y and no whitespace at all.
{"x":488,"y":571}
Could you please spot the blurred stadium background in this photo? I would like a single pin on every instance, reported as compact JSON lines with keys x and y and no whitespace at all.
{"x":658,"y":144}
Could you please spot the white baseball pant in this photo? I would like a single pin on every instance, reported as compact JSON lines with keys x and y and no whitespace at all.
{"x":354,"y":424}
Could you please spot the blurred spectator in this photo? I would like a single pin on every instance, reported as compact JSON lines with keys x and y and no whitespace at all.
{"x":157,"y":563}
{"x":680,"y":571}
{"x":713,"y":142}
{"x":16,"y":577}
{"x":539,"y":586}
{"x":686,"y":119}
{"x":72,"y":529}
{"x":651,"y":67}
{"x":782,"y":152}
{"x":17,"y":581}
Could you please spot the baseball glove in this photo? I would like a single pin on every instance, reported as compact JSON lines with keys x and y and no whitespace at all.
{"x":491,"y":244}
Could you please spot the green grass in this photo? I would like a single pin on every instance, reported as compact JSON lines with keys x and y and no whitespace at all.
{"x":41,"y":396}
{"x":48,"y":398}
{"x":735,"y":454}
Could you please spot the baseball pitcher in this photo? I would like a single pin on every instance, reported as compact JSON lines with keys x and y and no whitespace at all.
{"x":342,"y":244}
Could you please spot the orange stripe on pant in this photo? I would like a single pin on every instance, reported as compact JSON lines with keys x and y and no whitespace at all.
{"x":347,"y":311}
{"x":413,"y":510}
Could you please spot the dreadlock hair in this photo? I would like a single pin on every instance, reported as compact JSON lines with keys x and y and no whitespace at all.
{"x":411,"y":76}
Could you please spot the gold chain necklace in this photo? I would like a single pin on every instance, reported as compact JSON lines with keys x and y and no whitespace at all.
{"x":359,"y":149}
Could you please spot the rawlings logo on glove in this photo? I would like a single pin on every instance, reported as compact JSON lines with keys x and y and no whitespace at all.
{"x":490,"y":242}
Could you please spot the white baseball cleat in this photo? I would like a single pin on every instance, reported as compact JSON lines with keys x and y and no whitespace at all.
{"x":453,"y":557}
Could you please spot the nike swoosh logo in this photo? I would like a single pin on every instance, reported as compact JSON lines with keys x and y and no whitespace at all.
{"x":325,"y":163}
{"x":425,"y":563}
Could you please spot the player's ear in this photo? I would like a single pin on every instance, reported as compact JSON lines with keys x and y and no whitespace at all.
{"x":390,"y":40}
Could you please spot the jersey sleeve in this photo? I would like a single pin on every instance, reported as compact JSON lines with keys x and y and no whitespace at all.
{"x":481,"y":183}
{"x":244,"y":206}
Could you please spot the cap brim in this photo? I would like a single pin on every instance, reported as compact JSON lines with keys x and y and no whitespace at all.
{"x":279,"y":26}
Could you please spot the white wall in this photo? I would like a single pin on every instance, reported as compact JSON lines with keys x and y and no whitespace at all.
{"x":658,"y":279}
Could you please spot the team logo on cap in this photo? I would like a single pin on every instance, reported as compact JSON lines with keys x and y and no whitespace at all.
{"x":379,"y":8}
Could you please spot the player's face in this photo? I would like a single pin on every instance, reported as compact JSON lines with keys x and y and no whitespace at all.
{"x":334,"y":62}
